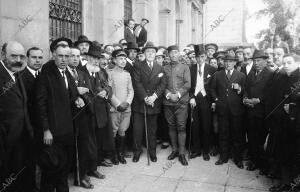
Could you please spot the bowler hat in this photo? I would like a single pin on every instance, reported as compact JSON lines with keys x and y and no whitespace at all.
{"x":94,"y":51}
{"x":52,"y":158}
{"x":199,"y":49}
{"x":82,"y":39}
{"x":149,"y":45}
{"x":119,"y":52}
{"x":211,"y":46}
{"x":132,"y":45}
{"x":160,"y":53}
{"x":56,"y":41}
{"x":219,"y":54}
{"x":259,"y":54}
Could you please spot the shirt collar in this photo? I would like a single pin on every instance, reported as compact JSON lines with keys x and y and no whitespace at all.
{"x":33,"y":72}
{"x":11,"y":74}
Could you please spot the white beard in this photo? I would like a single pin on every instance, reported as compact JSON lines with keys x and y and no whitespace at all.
{"x":92,"y":68}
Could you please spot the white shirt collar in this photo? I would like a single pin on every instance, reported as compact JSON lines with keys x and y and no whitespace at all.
{"x":11,"y":74}
{"x":33,"y":72}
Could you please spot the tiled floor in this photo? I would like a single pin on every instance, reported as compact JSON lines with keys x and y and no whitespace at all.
{"x":199,"y":176}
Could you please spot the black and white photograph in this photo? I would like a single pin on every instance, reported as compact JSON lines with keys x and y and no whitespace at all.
{"x":150,"y":96}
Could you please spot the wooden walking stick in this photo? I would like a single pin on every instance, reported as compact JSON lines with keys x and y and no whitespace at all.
{"x":190,"y":138}
{"x":146,"y":131}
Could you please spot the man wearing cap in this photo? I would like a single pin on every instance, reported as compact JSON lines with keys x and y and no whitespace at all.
{"x":227,"y":93}
{"x":201,"y":75}
{"x":191,"y":55}
{"x":120,"y":111}
{"x":220,"y":58}
{"x":56,"y":96}
{"x":149,"y":86}
{"x":210,"y":49}
{"x":176,"y":103}
{"x":62,"y":41}
{"x":254,"y":100}
{"x":132,"y":50}
{"x":141,"y":32}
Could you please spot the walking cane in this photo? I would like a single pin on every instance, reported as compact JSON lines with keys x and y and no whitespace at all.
{"x":190,"y":139}
{"x":77,"y":160}
{"x":146,"y":131}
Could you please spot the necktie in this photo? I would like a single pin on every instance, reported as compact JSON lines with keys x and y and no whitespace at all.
{"x":200,"y":70}
{"x":228,"y":75}
{"x":75,"y":74}
{"x":36,"y":74}
{"x":65,"y":78}
{"x":150,"y":66}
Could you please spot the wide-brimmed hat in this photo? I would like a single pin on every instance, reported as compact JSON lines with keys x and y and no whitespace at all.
{"x":160,"y":53}
{"x":56,"y":41}
{"x":132,"y":45}
{"x":149,"y":45}
{"x":52,"y":158}
{"x":211,"y":46}
{"x":199,"y":49}
{"x":259,"y":54}
{"x":94,"y":51}
{"x":229,"y":57}
{"x":119,"y":52}
{"x":219,"y":54}
{"x":82,"y":39}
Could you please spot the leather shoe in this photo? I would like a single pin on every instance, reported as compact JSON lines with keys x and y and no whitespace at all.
{"x":182,"y":160}
{"x":106,"y":164}
{"x":220,"y":162}
{"x":115,"y":160}
{"x":173,"y":155}
{"x":240,"y":164}
{"x":206,"y":157}
{"x":96,"y":174}
{"x":164,"y":145}
{"x":86,"y":184}
{"x":153,"y":158}
{"x":194,"y":155}
{"x":136,"y":157}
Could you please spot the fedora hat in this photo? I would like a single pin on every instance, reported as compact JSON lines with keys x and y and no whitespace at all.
{"x":149,"y":45}
{"x":229,"y":57}
{"x":56,"y":41}
{"x":259,"y":54}
{"x":82,"y":39}
{"x":119,"y":52}
{"x":52,"y":158}
{"x":94,"y":51}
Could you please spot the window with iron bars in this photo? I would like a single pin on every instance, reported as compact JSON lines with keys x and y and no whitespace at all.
{"x":65,"y":19}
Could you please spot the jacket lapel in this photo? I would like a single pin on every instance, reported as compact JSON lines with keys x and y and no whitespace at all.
{"x":9,"y":82}
{"x":145,"y":68}
{"x":233,"y":76}
{"x":155,"y":70}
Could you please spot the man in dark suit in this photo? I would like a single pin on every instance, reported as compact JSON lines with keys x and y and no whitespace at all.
{"x":16,"y":133}
{"x":141,"y":32}
{"x":149,"y":85}
{"x":200,"y":101}
{"x":29,"y":75}
{"x":227,"y":93}
{"x":56,"y":95}
{"x":129,"y":35}
{"x":132,"y":51}
{"x":254,"y":100}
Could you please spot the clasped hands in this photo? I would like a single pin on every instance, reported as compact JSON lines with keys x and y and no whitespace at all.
{"x":150,"y":100}
{"x":122,"y":107}
{"x":251,"y":102}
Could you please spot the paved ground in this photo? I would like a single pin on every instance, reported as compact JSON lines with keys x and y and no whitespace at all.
{"x":199,"y":176}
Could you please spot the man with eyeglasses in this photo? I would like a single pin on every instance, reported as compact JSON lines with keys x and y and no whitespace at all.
{"x":56,"y":95}
{"x":16,"y":132}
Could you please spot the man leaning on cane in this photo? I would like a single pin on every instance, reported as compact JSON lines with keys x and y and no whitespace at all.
{"x":149,"y":85}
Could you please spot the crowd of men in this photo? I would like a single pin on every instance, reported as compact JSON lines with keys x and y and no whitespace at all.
{"x":90,"y":105}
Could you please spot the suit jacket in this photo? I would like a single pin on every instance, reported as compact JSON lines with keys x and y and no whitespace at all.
{"x":208,"y":73}
{"x":225,"y":97}
{"x":55,"y":103}
{"x":145,"y":83}
{"x":130,"y":68}
{"x":14,"y":117}
{"x":129,"y":36}
{"x":276,"y":89}
{"x":256,"y":88}
{"x":142,"y":38}
{"x":294,"y":81}
{"x":243,"y":70}
{"x":98,"y":106}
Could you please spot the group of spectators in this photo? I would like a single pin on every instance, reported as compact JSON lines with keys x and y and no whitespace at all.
{"x":91,"y":105}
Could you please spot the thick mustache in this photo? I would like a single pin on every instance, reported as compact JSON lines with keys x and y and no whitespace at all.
{"x":17,"y":64}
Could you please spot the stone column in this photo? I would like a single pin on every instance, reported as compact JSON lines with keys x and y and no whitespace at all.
{"x":25,"y":21}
